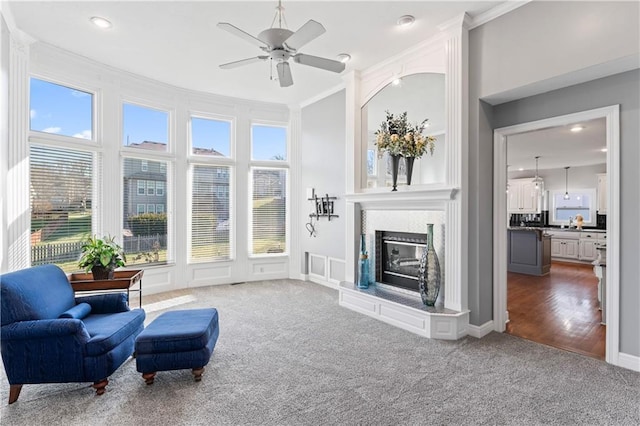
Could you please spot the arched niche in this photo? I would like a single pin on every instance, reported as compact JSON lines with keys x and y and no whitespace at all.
{"x":422,"y":96}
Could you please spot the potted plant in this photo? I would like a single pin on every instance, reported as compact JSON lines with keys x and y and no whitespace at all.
{"x":101,"y":256}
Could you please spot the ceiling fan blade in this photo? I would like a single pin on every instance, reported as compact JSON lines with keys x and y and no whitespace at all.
{"x":242,"y":34}
{"x":304,"y":35}
{"x":318,"y":62}
{"x":242,"y":62}
{"x":284,"y":74}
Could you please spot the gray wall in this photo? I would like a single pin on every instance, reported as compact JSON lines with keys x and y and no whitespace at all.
{"x":623,"y":89}
{"x":542,"y":44}
{"x":322,"y":154}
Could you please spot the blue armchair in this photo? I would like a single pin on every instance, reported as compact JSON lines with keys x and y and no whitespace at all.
{"x":48,"y":336}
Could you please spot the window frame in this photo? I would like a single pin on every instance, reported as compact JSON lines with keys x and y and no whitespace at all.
{"x":216,"y":117}
{"x":139,"y":153}
{"x":270,"y":163}
{"x":64,"y":140}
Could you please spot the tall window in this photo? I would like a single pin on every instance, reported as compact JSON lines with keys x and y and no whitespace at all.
{"x":61,"y":177}
{"x":61,"y":204}
{"x":61,"y":110}
{"x":210,"y":213}
{"x":145,"y":226}
{"x":145,"y":128}
{"x":268,"y":206}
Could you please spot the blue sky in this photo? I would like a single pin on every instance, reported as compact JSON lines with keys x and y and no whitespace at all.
{"x":65,"y":111}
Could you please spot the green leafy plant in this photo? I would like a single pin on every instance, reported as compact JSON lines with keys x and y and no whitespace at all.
{"x":103,"y":252}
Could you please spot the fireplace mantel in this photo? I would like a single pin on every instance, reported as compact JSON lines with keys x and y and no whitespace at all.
{"x":431,"y":196}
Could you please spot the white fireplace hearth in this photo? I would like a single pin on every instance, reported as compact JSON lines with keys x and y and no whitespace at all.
{"x":404,"y":311}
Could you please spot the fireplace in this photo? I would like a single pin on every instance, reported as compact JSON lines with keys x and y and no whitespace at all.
{"x":398,"y":255}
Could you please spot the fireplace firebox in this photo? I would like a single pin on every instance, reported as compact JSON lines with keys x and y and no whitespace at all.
{"x":397,"y":261}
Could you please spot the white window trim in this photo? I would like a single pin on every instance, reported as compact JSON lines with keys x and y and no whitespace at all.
{"x":287,"y":248}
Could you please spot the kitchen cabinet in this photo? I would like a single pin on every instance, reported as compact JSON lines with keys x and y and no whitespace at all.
{"x":567,"y":249}
{"x":523,"y":196}
{"x":601,"y":194}
{"x":575,"y":245}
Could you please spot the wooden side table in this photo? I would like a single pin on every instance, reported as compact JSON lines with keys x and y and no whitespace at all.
{"x":122,"y":280}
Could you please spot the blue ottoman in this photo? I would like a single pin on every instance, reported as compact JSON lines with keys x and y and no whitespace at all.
{"x":177,"y":340}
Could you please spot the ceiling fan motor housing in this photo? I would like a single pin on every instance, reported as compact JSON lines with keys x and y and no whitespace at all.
{"x":275,"y":37}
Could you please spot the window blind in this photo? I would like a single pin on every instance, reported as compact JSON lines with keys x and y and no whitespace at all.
{"x":210,"y":213}
{"x":144,"y":215}
{"x":61,"y":198}
{"x":268,"y":210}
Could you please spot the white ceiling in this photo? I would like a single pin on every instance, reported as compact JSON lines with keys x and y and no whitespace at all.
{"x":558,"y":147}
{"x":177,"y":42}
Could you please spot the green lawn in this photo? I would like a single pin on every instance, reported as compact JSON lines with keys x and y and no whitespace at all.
{"x":76,"y":228}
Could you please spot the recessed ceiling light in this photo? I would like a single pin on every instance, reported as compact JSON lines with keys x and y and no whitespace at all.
{"x":100,"y":22}
{"x":577,"y":129}
{"x":344,"y":57}
{"x":396,"y":82}
{"x":405,"y":21}
{"x":521,"y":169}
{"x":603,"y":150}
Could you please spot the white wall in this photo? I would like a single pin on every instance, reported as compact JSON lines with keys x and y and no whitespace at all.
{"x":112,"y":86}
{"x":4,"y":139}
{"x":322,"y":164}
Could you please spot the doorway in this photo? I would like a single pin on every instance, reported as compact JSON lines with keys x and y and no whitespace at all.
{"x":553,"y":293}
{"x":501,"y":221}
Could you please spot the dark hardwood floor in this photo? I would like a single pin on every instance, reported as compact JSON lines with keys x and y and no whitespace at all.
{"x":559,"y":309}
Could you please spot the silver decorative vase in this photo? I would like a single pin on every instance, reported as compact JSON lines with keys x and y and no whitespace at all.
{"x":429,"y":277}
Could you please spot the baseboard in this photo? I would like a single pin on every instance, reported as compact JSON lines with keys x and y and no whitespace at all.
{"x":322,"y":282}
{"x":630,"y":362}
{"x":479,"y":331}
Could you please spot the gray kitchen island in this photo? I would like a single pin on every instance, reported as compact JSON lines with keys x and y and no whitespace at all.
{"x":528,"y":251}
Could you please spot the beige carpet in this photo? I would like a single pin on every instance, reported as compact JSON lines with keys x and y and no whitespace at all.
{"x":289,"y":355}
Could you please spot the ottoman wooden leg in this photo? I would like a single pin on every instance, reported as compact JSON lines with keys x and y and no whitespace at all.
{"x":197,"y":373}
{"x":14,"y":393}
{"x":148,"y":377}
{"x":100,"y":386}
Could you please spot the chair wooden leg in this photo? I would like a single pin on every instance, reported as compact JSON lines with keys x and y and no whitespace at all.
{"x":14,"y":393}
{"x":148,"y":377}
{"x":100,"y":386}
{"x":197,"y":373}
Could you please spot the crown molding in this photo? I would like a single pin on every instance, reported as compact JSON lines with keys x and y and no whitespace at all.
{"x":495,"y":12}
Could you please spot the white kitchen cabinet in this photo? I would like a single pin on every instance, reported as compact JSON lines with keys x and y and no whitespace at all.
{"x":576,"y":245}
{"x":601,"y":194}
{"x":566,"y":249}
{"x":523,"y":196}
{"x":588,"y":249}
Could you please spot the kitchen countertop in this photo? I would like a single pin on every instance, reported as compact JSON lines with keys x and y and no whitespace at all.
{"x":540,"y":228}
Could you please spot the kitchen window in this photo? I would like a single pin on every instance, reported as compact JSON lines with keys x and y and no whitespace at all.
{"x":580,"y":201}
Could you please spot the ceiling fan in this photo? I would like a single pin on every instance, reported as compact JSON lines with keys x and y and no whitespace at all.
{"x":280,"y":44}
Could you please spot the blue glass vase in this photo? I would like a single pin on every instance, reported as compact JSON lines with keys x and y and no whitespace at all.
{"x":363,"y":265}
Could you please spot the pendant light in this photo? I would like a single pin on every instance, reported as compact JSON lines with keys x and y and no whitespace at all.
{"x":566,"y":183}
{"x":537,"y":179}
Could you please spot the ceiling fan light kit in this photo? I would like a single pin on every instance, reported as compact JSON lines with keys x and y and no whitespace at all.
{"x":281,"y":44}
